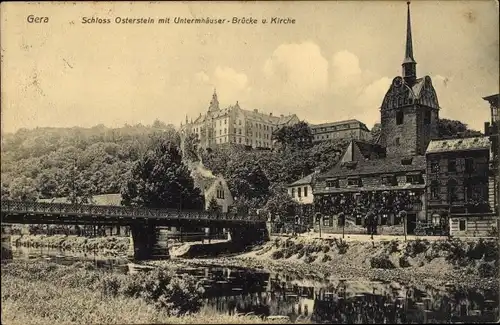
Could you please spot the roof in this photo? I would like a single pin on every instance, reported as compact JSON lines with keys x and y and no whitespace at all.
{"x":370,"y":188}
{"x":459,"y":144}
{"x":376,"y":166}
{"x":303,"y":181}
{"x":492,"y":99}
{"x":104,"y":199}
{"x":322,"y":125}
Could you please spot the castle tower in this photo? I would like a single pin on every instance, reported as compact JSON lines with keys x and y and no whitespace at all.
{"x":410,"y":110}
{"x":214,"y":103}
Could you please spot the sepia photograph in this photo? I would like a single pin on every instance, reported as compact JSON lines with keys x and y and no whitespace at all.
{"x":264,"y":162}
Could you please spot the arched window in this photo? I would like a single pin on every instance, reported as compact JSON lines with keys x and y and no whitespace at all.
{"x":452,"y":191}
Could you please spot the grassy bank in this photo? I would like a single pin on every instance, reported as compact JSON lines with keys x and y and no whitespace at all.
{"x":44,"y":293}
{"x":106,"y":245}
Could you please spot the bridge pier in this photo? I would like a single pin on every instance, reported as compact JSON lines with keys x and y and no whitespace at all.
{"x":249,"y":235}
{"x":148,"y":241}
{"x":6,"y":242}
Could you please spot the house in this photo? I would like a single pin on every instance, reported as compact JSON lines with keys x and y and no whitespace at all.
{"x":211,"y":186}
{"x":350,"y":129}
{"x":461,"y":185}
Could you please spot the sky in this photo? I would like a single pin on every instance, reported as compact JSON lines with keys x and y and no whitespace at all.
{"x":336,"y":62}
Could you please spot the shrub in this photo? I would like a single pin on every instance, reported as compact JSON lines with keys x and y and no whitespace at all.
{"x":326,"y":258}
{"x":381,"y":262}
{"x":393,"y":246}
{"x":326,"y":249}
{"x":404,"y":262}
{"x":310,"y":258}
{"x":486,"y":270}
{"x":276,"y":255}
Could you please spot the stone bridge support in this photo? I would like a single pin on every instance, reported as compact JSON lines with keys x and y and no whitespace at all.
{"x":6,"y":242}
{"x":249,"y":235}
{"x":147,"y":241}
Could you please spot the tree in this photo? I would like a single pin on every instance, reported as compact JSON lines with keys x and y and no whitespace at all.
{"x":452,"y":128}
{"x":190,"y":148}
{"x":297,"y":136}
{"x":160,"y":180}
{"x":281,"y":204}
{"x":375,"y":132}
{"x":246,"y":179}
{"x":213,"y":206}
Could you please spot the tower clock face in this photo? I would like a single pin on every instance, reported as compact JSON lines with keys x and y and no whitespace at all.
{"x":397,"y":82}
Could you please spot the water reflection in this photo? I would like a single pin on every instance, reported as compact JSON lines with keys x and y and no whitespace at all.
{"x":240,"y":290}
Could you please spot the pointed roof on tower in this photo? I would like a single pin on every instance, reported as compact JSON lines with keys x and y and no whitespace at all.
{"x":409,"y":42}
{"x":214,"y":103}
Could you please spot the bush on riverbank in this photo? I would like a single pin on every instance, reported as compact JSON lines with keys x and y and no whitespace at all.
{"x":161,"y":288}
{"x":33,"y":293}
{"x":109,"y":244}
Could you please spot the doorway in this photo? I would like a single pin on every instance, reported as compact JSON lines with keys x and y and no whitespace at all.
{"x":411,"y":223}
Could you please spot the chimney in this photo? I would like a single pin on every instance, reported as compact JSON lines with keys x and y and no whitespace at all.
{"x":281,"y":115}
{"x":270,"y":114}
{"x":256,"y":110}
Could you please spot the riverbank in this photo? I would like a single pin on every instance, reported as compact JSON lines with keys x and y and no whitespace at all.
{"x":110,"y":245}
{"x":435,"y":262}
{"x":35,"y":292}
{"x":419,"y":263}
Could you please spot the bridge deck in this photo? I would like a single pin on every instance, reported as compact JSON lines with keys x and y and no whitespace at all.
{"x":50,"y":213}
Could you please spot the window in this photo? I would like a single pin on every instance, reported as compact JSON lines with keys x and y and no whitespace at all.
{"x":435,"y":166}
{"x":225,"y":121}
{"x":239,"y":131}
{"x":299,"y":192}
{"x":220,"y":132}
{"x":354,"y":182}
{"x":469,"y":165}
{"x":427,"y":118}
{"x":234,"y":130}
{"x":220,"y":194}
{"x":293,"y":192}
{"x":452,"y":165}
{"x":332,"y":183}
{"x":359,"y":220}
{"x":239,"y":122}
{"x":389,"y":180}
{"x":326,"y":221}
{"x":399,"y":117}
{"x":413,"y":179}
{"x":239,"y":140}
{"x":396,"y":141}
{"x":305,"y":191}
{"x":452,"y":191}
{"x":434,"y":190}
{"x":462,"y":225}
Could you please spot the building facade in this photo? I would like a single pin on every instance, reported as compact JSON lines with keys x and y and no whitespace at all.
{"x":384,"y":183}
{"x":234,"y":125}
{"x":461,"y":185}
{"x":350,"y":129}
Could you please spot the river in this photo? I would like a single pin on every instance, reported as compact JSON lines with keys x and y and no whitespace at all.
{"x":242,"y":290}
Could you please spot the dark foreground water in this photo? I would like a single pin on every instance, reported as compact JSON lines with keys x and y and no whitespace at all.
{"x":241,"y":290}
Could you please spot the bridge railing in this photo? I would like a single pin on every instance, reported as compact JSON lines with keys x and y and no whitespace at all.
{"x":118,"y":211}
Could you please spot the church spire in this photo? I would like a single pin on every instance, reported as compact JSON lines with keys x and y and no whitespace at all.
{"x":409,"y":64}
{"x":214,"y":103}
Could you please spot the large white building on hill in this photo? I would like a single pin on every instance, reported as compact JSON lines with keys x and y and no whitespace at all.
{"x":234,"y":125}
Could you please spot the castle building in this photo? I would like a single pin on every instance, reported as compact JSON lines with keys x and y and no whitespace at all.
{"x":350,"y":129}
{"x":387,"y":177}
{"x":234,"y":125}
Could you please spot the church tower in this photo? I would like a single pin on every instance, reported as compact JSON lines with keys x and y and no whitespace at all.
{"x":410,"y":110}
{"x":214,"y":103}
